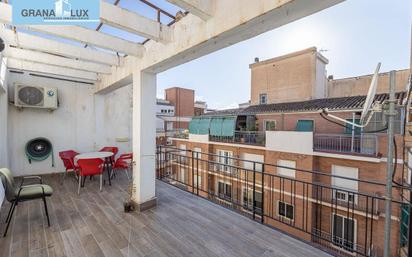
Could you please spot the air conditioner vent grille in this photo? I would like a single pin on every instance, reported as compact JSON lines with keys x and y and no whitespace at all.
{"x":31,"y":96}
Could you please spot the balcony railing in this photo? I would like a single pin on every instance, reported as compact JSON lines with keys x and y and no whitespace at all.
{"x":366,"y":144}
{"x":177,"y":133}
{"x":309,"y":202}
{"x":242,"y":137}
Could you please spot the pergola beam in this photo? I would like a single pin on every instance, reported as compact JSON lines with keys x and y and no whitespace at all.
{"x":28,"y":41}
{"x":50,"y":69}
{"x":200,"y":8}
{"x":134,"y":23}
{"x":77,"y":33}
{"x":91,"y":37}
{"x":39,"y":57}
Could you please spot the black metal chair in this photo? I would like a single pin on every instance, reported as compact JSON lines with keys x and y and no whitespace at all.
{"x":14,"y":194}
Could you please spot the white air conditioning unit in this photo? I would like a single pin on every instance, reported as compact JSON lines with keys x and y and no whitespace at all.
{"x":35,"y":97}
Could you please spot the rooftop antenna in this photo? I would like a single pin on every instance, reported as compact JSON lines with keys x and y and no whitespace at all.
{"x":369,"y":108}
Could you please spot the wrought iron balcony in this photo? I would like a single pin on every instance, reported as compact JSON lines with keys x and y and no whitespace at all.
{"x":341,"y":221}
{"x":365,"y":144}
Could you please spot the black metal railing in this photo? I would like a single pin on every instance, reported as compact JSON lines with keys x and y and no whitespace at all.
{"x":341,"y":221}
{"x":242,"y":137}
{"x":366,"y":144}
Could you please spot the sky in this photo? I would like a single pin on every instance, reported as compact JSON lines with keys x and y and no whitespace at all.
{"x":354,"y":35}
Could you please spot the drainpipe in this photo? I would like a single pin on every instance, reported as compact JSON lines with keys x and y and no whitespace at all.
{"x":390,"y":113}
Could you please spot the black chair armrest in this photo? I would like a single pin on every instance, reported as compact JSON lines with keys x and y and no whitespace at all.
{"x":31,"y":178}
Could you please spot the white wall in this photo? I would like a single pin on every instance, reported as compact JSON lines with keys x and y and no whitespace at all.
{"x":320,"y":83}
{"x":114,"y":119}
{"x":83,"y":122}
{"x":3,"y":113}
{"x":290,"y":141}
{"x":71,"y":126}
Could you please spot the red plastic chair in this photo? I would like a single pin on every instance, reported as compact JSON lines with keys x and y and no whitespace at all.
{"x":68,"y":161}
{"x":111,"y":149}
{"x":90,"y":167}
{"x":123,"y":163}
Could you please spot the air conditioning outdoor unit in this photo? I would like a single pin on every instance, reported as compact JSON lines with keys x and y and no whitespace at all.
{"x":35,"y":97}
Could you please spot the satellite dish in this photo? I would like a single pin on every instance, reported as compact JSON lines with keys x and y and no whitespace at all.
{"x":368,"y":109}
{"x":371,"y":94}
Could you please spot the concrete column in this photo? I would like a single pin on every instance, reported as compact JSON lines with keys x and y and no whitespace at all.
{"x":4,"y":105}
{"x":144,"y":139}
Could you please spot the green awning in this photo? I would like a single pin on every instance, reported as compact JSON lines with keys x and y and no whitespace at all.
{"x":203,"y":126}
{"x":223,"y":126}
{"x":304,"y":125}
{"x":228,"y":126}
{"x":216,"y":127}
{"x":194,"y":125}
{"x":199,"y":126}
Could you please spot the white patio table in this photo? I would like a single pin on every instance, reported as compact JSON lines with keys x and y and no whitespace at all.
{"x":98,"y":155}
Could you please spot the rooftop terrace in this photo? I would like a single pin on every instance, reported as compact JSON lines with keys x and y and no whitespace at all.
{"x":94,"y":224}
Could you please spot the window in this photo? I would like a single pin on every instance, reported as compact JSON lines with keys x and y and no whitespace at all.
{"x":224,"y":190}
{"x":343,"y":232}
{"x":182,"y":154}
{"x":182,"y":175}
{"x":252,"y":161}
{"x":169,"y":126}
{"x":404,"y":225}
{"x":349,"y":128}
{"x":286,"y":168}
{"x":248,"y":199}
{"x":285,"y":210}
{"x":197,"y":182}
{"x":304,"y":125}
{"x":350,"y":185}
{"x":270,"y":125}
{"x":263,"y":99}
{"x":225,"y":160}
{"x":197,"y":152}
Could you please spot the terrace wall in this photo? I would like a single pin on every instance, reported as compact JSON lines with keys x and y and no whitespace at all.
{"x":68,"y":127}
{"x":114,"y":119}
{"x":83,"y":122}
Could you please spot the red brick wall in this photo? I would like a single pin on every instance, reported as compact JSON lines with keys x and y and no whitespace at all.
{"x":183,"y":99}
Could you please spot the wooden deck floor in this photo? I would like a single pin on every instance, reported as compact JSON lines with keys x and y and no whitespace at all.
{"x":94,"y":225}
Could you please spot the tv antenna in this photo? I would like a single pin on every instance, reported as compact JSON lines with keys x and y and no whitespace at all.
{"x":369,"y":108}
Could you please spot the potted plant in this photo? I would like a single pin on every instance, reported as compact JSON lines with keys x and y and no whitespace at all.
{"x":129,"y":205}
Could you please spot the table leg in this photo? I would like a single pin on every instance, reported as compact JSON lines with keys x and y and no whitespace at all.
{"x":108,"y":170}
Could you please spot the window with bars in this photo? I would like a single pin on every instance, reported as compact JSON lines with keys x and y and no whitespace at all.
{"x":225,"y":160}
{"x":286,"y":210}
{"x":248,"y":199}
{"x":263,"y":99}
{"x":343,"y":232}
{"x":224,"y":190}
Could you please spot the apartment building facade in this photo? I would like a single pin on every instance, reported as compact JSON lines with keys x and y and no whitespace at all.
{"x":281,"y":162}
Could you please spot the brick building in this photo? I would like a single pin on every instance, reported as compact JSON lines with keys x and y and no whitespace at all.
{"x":183,"y":100}
{"x":279,"y":161}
